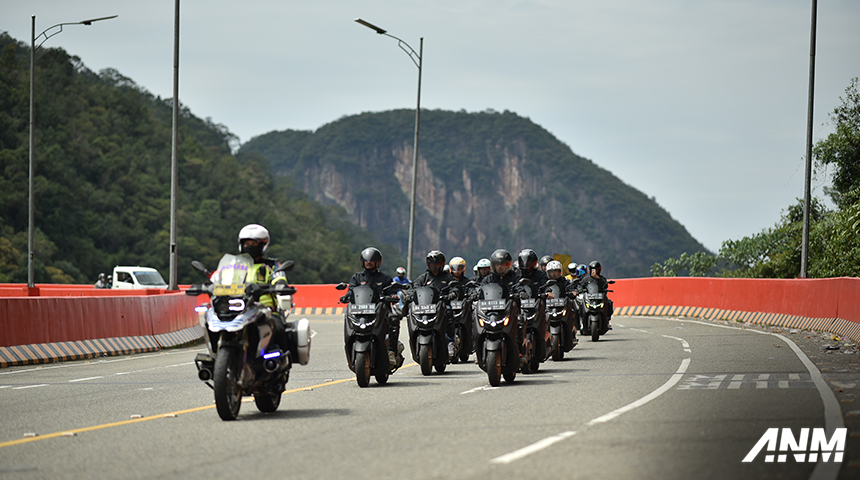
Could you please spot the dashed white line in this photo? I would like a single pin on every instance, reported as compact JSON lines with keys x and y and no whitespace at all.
{"x":535,"y":447}
{"x":84,"y":379}
{"x":478,"y":389}
{"x":30,"y":386}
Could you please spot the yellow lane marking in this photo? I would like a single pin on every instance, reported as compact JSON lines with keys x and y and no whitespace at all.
{"x":155,"y":417}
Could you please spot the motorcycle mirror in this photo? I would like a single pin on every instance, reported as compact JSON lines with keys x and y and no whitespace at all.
{"x":525,"y":281}
{"x":550,"y":283}
{"x":471,"y":283}
{"x":286,"y":266}
{"x":199,"y":267}
{"x":341,"y":286}
{"x":394,"y":286}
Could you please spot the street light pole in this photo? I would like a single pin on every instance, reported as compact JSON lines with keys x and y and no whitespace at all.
{"x":31,"y":210}
{"x":807,"y":194}
{"x":174,"y":154}
{"x":417,"y":60}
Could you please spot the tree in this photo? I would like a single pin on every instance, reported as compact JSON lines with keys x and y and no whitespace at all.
{"x":842,"y":147}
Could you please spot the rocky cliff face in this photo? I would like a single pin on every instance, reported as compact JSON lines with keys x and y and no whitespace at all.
{"x":485,"y":181}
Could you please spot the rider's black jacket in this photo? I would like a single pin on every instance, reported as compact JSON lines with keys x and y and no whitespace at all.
{"x":538,"y":278}
{"x":442,"y":283}
{"x":508,"y":282}
{"x":601,"y":281}
{"x":375,"y":279}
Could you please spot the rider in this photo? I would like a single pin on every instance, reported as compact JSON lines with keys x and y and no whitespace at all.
{"x":502,"y":273}
{"x":544,"y":260}
{"x":594,"y":276}
{"x":102,"y":283}
{"x":401,"y":277}
{"x":483,"y":267}
{"x":371,"y":259}
{"x":553,"y":271}
{"x":254,"y":240}
{"x":528,"y":262}
{"x":443,"y":282}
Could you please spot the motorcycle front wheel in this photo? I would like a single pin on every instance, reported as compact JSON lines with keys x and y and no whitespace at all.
{"x":362,"y":369}
{"x":595,"y":329}
{"x":557,"y":350}
{"x":228,"y":393}
{"x":425,"y":359}
{"x":267,"y":400}
{"x":494,"y":368}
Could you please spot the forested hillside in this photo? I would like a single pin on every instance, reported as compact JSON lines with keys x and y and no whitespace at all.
{"x":102,"y":183}
{"x":486,"y":180}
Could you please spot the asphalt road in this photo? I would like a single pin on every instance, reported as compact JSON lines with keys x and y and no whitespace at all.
{"x":655,"y":398}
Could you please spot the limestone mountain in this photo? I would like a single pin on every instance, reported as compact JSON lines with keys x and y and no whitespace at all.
{"x":486,"y":180}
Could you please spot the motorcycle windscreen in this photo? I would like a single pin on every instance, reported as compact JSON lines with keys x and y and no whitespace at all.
{"x":232,"y":269}
{"x":362,"y":295}
{"x":425,"y":296}
{"x":492,"y":291}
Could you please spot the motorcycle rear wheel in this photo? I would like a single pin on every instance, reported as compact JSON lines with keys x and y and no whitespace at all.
{"x":494,"y":368}
{"x":362,"y":369}
{"x":228,"y":393}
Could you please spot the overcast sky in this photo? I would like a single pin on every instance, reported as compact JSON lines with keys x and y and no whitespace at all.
{"x":701,"y":104}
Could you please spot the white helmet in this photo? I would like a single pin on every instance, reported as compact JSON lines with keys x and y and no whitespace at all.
{"x":484,"y":262}
{"x":553,"y":265}
{"x":254,"y":232}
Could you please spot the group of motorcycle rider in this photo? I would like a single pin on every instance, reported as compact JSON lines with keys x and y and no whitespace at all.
{"x":450,"y":281}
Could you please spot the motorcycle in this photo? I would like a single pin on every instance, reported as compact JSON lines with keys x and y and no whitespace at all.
{"x":461,"y":316}
{"x":560,"y":313}
{"x":365,"y":331}
{"x":594,"y":320}
{"x":496,"y":341}
{"x":533,"y":318}
{"x":427,"y":320}
{"x":243,"y":356}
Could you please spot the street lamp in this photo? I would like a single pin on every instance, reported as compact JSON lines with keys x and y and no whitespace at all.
{"x":416,"y":59}
{"x":33,"y":47}
{"x":807,"y":194}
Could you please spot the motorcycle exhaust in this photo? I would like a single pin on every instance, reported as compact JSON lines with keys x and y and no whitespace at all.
{"x":204,"y":374}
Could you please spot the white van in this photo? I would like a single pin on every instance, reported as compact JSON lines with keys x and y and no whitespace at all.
{"x":137,"y":277}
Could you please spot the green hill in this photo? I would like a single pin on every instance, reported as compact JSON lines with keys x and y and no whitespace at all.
{"x":486,"y":180}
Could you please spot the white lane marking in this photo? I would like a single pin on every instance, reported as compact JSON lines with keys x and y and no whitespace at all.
{"x":30,"y":386}
{"x":93,"y":363}
{"x":83,"y":379}
{"x":740,"y":377}
{"x":832,"y":411}
{"x":734,"y":385}
{"x":5,"y":386}
{"x":763,"y":376}
{"x":683,"y":342}
{"x":147,"y":388}
{"x":760,"y":384}
{"x":619,"y":325}
{"x":546,"y":442}
{"x":647,"y":398}
{"x":783,"y":384}
{"x":478,"y":389}
{"x":313,"y":333}
{"x":530,"y":449}
{"x":793,"y":376}
{"x":637,"y":330}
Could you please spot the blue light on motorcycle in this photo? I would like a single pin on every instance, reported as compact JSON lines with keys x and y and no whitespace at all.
{"x":271,"y":355}
{"x":200,"y":309}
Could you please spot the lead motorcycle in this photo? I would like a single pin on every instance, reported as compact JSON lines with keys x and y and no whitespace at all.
{"x":594,"y":320}
{"x":365,"y":331}
{"x":561,"y":312}
{"x":243,"y":356}
{"x":427,"y":320}
{"x":496,"y":325}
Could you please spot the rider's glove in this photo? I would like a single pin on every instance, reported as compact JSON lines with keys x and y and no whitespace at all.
{"x":253,"y":289}
{"x":393,"y":298}
{"x":524,"y":295}
{"x":452,"y":296}
{"x":343,"y":299}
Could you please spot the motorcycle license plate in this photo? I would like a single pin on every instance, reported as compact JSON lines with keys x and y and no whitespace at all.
{"x":424,"y":309}
{"x":363,"y":309}
{"x":492,"y":304}
{"x":232,"y":290}
{"x":457,"y":304}
{"x":594,"y":296}
{"x":555,"y":302}
{"x":529,"y":303}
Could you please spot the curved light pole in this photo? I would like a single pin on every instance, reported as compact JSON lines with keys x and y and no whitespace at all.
{"x":33,"y":48}
{"x":416,"y":59}
{"x":807,"y":194}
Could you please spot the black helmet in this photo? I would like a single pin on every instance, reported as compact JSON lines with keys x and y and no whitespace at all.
{"x":528,"y":259}
{"x":544,"y":260}
{"x":501,"y":262}
{"x":594,"y":266}
{"x":435,"y":261}
{"x":371,"y":254}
